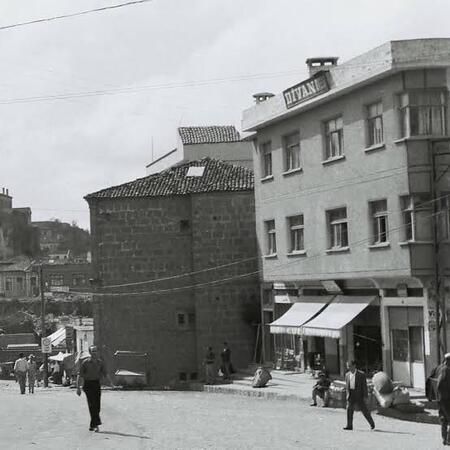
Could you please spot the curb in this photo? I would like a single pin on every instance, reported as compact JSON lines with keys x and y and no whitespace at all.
{"x":261,"y":393}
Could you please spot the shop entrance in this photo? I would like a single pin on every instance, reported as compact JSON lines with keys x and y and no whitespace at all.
{"x":367,"y":351}
{"x":407,"y":343}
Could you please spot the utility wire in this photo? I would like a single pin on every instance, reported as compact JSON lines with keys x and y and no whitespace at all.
{"x":79,"y":13}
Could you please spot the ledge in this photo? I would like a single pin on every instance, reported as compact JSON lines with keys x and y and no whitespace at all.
{"x":292,"y":171}
{"x":271,"y":256}
{"x":421,"y":138}
{"x":406,"y":243}
{"x":333,"y":160}
{"x":382,"y":245}
{"x":374,"y":148}
{"x":268,"y":178}
{"x":338,"y":250}
{"x":297,"y":253}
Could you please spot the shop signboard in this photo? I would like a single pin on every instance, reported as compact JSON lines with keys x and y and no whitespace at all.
{"x":305,"y":90}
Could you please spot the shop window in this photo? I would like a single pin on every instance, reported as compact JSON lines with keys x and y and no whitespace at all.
{"x":400,"y":345}
{"x":271,"y":239}
{"x":266,"y":159}
{"x":291,"y":148}
{"x":416,"y":218}
{"x":423,"y":112}
{"x":337,"y":229}
{"x":375,"y":124}
{"x":334,"y":138}
{"x":296,"y":234}
{"x":379,"y":216}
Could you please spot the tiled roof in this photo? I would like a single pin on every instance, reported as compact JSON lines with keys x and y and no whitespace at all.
{"x":218,"y":176}
{"x":208,"y":135}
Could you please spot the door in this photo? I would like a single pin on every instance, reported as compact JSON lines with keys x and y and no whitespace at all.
{"x":416,"y":345}
{"x":400,"y":356}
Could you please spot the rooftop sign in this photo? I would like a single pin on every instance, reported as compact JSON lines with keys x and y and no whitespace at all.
{"x":305,"y":90}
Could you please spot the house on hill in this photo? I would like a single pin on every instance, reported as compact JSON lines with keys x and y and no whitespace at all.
{"x":176,"y":256}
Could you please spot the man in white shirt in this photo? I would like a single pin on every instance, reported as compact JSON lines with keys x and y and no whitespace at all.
{"x":20,"y":371}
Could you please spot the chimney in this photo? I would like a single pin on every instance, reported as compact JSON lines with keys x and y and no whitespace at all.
{"x":262,"y":96}
{"x":7,"y":191}
{"x":324,"y":63}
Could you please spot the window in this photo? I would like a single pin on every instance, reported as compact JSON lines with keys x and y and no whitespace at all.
{"x":292,"y":151}
{"x":296,"y":234}
{"x":379,"y":215}
{"x":271,"y":239}
{"x":334,"y":138}
{"x":375,"y":124}
{"x":194,"y":376}
{"x":19,"y":280}
{"x":423,"y":113}
{"x":181,"y":319}
{"x":33,"y":281}
{"x":8,"y":284}
{"x":416,"y":218}
{"x":337,"y":228}
{"x":184,"y":225}
{"x":78,"y":279}
{"x":185,"y":320}
{"x":266,"y":159}
{"x":444,"y":217}
{"x":56,"y":280}
{"x":182,"y":376}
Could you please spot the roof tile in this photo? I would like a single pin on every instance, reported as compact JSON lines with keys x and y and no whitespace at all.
{"x":208,"y":135}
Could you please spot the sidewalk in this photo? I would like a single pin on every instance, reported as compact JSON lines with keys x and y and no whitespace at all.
{"x":287,"y":385}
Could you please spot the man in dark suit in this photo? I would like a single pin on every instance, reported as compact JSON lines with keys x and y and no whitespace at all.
{"x":356,"y":384}
{"x":443,"y":396}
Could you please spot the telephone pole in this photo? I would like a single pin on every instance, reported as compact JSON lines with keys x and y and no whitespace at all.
{"x":43,"y":331}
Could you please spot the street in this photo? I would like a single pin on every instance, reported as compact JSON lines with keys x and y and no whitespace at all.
{"x":56,"y":418}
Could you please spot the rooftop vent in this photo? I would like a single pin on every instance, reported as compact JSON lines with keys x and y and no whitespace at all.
{"x":262,"y":96}
{"x":321,"y":63}
{"x":194,"y":171}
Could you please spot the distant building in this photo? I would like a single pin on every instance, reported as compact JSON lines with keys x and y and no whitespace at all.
{"x":194,"y":143}
{"x":352,"y":210}
{"x":18,"y":278}
{"x":66,"y":276}
{"x":182,"y":244}
{"x":17,"y":236}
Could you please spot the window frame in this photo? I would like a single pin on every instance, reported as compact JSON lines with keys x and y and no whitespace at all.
{"x":377,"y":215}
{"x":337,"y":229}
{"x":291,"y":152}
{"x":265,"y":149}
{"x":296,"y":233}
{"x":412,"y":205}
{"x":270,"y":237}
{"x":329,"y":136}
{"x":405,"y":107}
{"x":371,"y":140}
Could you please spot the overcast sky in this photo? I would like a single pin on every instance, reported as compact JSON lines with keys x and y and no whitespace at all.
{"x":188,"y":62}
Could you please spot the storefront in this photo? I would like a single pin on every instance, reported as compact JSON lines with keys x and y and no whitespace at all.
{"x":325,"y":332}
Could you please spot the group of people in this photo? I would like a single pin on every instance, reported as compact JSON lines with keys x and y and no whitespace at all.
{"x":225,"y":364}
{"x":25,"y":368}
{"x":357,"y":393}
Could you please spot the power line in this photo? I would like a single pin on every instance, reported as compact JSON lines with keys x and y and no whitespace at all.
{"x":135,"y":89}
{"x":79,"y":13}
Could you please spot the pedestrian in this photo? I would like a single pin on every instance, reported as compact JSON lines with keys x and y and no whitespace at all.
{"x":32,"y":369}
{"x":20,"y":371}
{"x":210,"y":360}
{"x":443,"y":397}
{"x":225,"y":357}
{"x":356,"y":384}
{"x":92,"y":370}
{"x":321,"y":389}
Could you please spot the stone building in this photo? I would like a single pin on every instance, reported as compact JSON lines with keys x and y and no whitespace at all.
{"x":175,"y":253}
{"x":352,"y":211}
{"x":193,"y":143}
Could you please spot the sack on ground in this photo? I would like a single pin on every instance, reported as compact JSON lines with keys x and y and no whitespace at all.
{"x":400,"y":396}
{"x":384,"y":400}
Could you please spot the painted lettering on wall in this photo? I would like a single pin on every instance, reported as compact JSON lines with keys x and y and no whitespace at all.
{"x":305,"y":90}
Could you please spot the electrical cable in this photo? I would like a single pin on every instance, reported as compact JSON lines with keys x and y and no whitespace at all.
{"x":79,"y":13}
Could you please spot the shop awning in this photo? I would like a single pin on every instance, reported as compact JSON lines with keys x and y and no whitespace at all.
{"x":342,"y":310}
{"x":291,"y":321}
{"x":58,"y":337}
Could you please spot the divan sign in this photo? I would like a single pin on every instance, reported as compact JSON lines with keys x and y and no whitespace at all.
{"x":305,"y":90}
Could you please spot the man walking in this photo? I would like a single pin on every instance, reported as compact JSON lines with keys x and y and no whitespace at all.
{"x":209,"y":366}
{"x":443,"y":396}
{"x":356,"y":384}
{"x":225,"y":356}
{"x":92,"y":369}
{"x":20,"y":371}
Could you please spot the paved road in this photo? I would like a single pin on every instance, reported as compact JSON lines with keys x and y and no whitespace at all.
{"x":56,"y":418}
